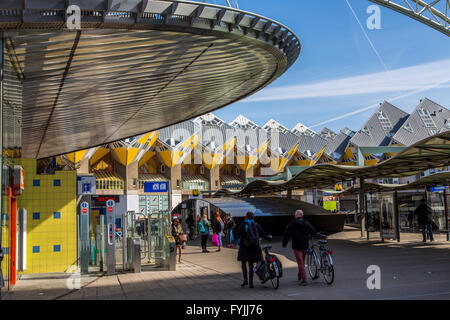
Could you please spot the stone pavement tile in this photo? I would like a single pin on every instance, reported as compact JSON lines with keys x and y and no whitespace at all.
{"x":410,"y":270}
{"x":109,"y":288}
{"x":47,"y":286}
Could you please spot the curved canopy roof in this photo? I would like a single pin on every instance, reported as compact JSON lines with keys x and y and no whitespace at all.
{"x":432,"y":152}
{"x":134,"y":66}
{"x":270,"y":206}
{"x":441,"y":178}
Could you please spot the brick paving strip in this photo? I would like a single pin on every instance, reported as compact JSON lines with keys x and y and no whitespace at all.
{"x":410,"y":269}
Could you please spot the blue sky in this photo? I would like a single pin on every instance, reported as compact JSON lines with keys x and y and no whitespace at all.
{"x":338,"y":73}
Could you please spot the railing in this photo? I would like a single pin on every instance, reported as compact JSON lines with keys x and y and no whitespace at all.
{"x":109,"y":184}
{"x":200,"y":185}
{"x":432,"y":13}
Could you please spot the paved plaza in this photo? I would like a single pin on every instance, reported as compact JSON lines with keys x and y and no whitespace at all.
{"x":409,"y":270}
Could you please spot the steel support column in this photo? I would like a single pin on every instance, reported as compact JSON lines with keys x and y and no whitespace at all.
{"x":362,"y":207}
{"x":396,"y":216}
{"x":446,"y":214}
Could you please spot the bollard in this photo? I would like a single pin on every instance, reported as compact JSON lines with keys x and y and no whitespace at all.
{"x":136,"y":255}
{"x":171,"y":259}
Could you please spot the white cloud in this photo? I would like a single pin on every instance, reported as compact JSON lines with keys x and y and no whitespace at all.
{"x":419,"y":77}
{"x":405,"y":95}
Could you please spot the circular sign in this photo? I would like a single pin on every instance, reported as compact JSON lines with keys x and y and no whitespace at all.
{"x":84,"y":210}
{"x":110,"y":209}
{"x":110,"y":203}
{"x":84,"y":204}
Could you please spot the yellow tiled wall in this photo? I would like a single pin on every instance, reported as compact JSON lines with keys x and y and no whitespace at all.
{"x":51,"y":219}
{"x":5,"y":243}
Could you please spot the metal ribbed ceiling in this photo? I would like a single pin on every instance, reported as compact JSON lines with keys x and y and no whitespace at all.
{"x":103,"y":83}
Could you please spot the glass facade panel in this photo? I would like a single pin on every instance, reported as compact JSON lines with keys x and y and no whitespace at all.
{"x":426,"y":118}
{"x":384,"y":121}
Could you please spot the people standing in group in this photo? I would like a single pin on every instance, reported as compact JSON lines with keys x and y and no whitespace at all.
{"x":249,"y":249}
{"x":178,"y":234}
{"x":229,"y":227}
{"x":190,"y":222}
{"x":424,"y":219}
{"x":299,"y":231}
{"x":203,"y":228}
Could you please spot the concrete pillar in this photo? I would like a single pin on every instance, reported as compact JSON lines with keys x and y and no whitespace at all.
{"x":214,"y":178}
{"x":250,"y":173}
{"x":132,"y":178}
{"x":289,"y":193}
{"x":175,"y":184}
{"x":83,"y":167}
{"x":315,"y":198}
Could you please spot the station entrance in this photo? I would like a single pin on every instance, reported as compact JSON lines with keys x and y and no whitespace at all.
{"x":153,"y":235}
{"x":111,"y":244}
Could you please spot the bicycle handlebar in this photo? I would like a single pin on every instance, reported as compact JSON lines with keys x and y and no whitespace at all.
{"x":320,"y":235}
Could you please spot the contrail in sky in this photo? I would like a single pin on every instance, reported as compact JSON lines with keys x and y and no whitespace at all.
{"x":367,"y":37}
{"x":349,"y":114}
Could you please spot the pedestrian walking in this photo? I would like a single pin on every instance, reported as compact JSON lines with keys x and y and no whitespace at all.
{"x":180,"y":237}
{"x":190,"y":222}
{"x":249,"y":249}
{"x":203,"y":228}
{"x":424,"y":219}
{"x":299,"y":231}
{"x":218,"y":227}
{"x":229,"y":230}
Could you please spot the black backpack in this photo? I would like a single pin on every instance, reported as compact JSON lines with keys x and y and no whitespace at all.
{"x":251,"y":239}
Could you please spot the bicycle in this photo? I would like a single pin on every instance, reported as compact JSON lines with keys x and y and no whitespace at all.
{"x":322,"y":262}
{"x":270,"y":268}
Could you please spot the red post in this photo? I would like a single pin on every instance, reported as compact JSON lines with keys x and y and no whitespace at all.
{"x":12,"y":240}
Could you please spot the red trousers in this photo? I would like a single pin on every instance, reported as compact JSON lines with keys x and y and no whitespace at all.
{"x":300,"y":257}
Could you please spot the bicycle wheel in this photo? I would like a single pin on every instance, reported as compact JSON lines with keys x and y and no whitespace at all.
{"x":313,"y":266}
{"x":275,"y":282}
{"x":328,"y":272}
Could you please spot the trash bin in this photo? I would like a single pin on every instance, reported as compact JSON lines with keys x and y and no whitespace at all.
{"x":134,"y":254}
{"x":171,"y":261}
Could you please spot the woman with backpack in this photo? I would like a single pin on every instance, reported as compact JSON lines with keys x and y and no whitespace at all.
{"x":218,"y":227}
{"x":203,"y":228}
{"x":249,"y":250}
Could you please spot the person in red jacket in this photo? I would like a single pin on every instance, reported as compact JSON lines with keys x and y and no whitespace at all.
{"x":299,"y":231}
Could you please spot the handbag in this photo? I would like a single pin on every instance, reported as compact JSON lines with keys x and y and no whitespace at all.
{"x":182,"y":237}
{"x":434,"y":226}
{"x":215,"y":240}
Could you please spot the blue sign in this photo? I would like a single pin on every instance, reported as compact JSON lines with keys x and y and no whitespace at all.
{"x":156,"y":186}
{"x":86,"y":185}
{"x":437,"y":189}
{"x":86,"y":188}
